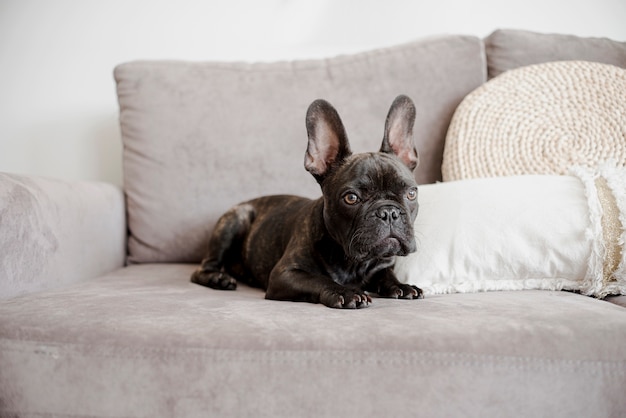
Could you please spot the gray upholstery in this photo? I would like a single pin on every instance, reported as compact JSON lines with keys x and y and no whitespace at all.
{"x":144,"y":341}
{"x":54,"y":233}
{"x":83,"y":335}
{"x":508,"y":49}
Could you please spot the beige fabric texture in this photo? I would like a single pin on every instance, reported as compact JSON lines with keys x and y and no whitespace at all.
{"x":540,"y":119}
{"x":201,"y":137}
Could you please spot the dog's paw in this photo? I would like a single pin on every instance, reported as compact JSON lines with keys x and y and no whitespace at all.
{"x":403,"y":291}
{"x":345,"y":299}
{"x":214,"y":279}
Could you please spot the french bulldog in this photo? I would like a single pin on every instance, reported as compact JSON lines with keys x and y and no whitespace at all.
{"x":335,"y":250}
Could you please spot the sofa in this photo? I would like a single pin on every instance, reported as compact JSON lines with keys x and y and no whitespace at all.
{"x":98,"y":317}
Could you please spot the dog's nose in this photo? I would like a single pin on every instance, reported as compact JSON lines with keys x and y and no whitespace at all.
{"x":388,"y":213}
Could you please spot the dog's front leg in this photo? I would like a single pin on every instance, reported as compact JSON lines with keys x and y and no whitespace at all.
{"x":302,"y":286}
{"x":387,"y":285}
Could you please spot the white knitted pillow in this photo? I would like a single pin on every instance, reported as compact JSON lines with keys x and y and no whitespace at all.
{"x":540,"y":119}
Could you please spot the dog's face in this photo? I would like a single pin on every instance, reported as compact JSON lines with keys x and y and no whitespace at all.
{"x":370,"y":203}
{"x":370,"y":199}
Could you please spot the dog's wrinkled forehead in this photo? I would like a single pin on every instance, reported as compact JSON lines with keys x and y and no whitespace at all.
{"x":376,"y":170}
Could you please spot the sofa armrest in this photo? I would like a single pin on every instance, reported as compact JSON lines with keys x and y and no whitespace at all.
{"x":54,"y":233}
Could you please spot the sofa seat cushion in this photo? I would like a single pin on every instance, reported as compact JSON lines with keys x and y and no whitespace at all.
{"x":144,"y":341}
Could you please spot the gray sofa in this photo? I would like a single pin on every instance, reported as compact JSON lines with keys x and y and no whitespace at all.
{"x":98,"y":317}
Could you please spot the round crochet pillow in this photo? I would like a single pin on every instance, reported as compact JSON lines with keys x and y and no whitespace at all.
{"x":540,"y":119}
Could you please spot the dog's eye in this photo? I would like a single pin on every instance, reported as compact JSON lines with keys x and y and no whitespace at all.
{"x":351,"y":199}
{"x":411,"y":194}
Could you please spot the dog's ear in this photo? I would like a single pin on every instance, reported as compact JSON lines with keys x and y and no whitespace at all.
{"x":398,"y":137}
{"x":328,"y":143}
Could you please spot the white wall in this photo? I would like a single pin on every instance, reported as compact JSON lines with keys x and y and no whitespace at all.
{"x":58,"y":110}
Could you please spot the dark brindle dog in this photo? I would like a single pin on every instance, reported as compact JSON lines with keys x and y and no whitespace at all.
{"x":336,"y":249}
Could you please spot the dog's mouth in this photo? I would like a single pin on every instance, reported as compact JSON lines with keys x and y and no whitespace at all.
{"x":388,"y":246}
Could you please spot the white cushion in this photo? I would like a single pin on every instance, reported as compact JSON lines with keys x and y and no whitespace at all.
{"x":521,"y":232}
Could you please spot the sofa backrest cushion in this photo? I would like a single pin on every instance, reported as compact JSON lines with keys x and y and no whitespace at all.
{"x":507,"y":49}
{"x":201,"y":137}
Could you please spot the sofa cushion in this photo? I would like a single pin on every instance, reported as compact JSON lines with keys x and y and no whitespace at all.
{"x":522,"y":232}
{"x":201,"y":137}
{"x":539,"y":119}
{"x":145,"y":342}
{"x":618,"y":300}
{"x":508,"y":49}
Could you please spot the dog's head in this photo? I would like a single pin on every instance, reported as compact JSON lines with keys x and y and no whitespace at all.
{"x":370,"y":199}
